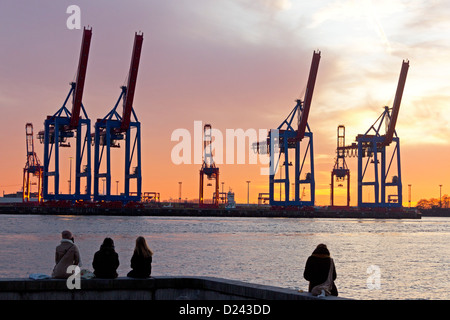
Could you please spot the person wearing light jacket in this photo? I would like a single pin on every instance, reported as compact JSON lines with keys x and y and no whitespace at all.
{"x":67,"y":254}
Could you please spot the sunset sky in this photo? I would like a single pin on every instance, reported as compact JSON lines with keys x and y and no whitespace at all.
{"x":234,"y":64}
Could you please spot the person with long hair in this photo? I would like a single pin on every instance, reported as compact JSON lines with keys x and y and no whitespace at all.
{"x":141,"y":261}
{"x":318,"y":267}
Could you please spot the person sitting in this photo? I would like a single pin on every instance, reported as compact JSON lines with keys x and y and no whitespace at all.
{"x":317,"y":269}
{"x":67,"y":254}
{"x":141,"y":261}
{"x":106,"y":260}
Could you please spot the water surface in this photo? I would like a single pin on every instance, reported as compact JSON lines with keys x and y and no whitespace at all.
{"x":412,"y":255}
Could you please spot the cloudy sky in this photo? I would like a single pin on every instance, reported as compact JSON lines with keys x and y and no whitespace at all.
{"x":234,"y":64}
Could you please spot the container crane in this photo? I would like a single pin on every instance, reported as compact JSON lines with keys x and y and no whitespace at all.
{"x":114,"y":127}
{"x":373,"y":147}
{"x":340,"y":172}
{"x":32,"y":167}
{"x":208,"y":167}
{"x":63,"y":125}
{"x":286,"y":137}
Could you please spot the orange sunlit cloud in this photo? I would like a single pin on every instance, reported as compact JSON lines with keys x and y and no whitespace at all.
{"x":234,"y":64}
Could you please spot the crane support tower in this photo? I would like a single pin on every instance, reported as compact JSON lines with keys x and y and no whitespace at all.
{"x":340,"y":172}
{"x":208,"y":167}
{"x":66,"y":124}
{"x":32,"y":167}
{"x":286,"y":137}
{"x":382,"y":153}
{"x":115,"y":127}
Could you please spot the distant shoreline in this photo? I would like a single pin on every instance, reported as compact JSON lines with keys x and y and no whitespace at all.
{"x":436,"y":212}
{"x":195,"y":211}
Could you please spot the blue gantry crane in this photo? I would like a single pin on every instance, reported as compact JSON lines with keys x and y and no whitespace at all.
{"x":289,"y":136}
{"x":374,"y":149}
{"x":65,"y":124}
{"x":115,"y":127}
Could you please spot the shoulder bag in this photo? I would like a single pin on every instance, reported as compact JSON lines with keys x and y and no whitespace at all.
{"x":325,"y":288}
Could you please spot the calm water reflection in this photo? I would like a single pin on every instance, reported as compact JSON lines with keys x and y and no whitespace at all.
{"x":412,"y":255}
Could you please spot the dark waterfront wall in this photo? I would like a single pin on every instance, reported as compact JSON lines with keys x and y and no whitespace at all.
{"x":436,"y":212}
{"x":252,"y":211}
{"x":157,"y":288}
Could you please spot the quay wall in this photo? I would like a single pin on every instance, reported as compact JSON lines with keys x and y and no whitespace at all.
{"x":155,"y":288}
{"x":256,"y":211}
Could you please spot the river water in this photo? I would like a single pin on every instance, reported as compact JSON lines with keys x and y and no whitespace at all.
{"x":375,"y":259}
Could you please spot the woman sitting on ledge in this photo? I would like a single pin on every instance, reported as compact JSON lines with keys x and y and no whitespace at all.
{"x":141,"y":261}
{"x":318,"y":267}
{"x":66,"y":254}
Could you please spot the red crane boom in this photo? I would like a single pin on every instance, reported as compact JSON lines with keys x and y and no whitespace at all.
{"x":396,"y":106}
{"x":132,"y":76}
{"x":81,"y":76}
{"x":308,"y":95}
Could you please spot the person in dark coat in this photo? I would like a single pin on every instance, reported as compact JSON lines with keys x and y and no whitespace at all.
{"x":141,"y":261}
{"x":317,"y":268}
{"x":106,"y":260}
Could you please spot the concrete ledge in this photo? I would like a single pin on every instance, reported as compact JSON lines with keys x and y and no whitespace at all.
{"x":155,"y":288}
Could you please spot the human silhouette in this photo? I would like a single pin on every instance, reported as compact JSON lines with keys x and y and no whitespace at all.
{"x":317,"y":269}
{"x":66,"y":254}
{"x":106,"y":260}
{"x":141,"y":261}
